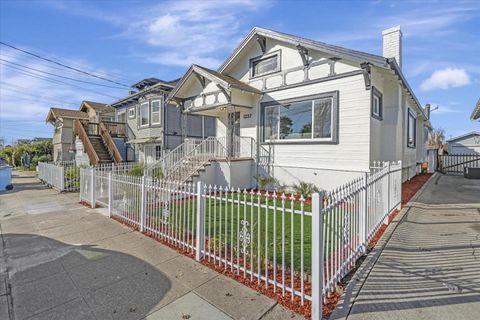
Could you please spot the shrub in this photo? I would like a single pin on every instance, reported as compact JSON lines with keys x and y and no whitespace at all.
{"x":137,"y":170}
{"x":305,"y":189}
{"x":264,"y":182}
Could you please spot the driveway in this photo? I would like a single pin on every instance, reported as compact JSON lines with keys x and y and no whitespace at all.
{"x":429,"y":267}
{"x":60,"y":260}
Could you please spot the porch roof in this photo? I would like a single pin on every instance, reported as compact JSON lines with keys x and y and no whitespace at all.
{"x":223,"y":80}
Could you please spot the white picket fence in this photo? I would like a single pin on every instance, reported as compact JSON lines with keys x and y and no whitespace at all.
{"x":63,"y":176}
{"x":296,"y":247}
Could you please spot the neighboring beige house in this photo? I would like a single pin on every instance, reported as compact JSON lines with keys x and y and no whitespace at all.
{"x":63,"y":137}
{"x":302,"y":110}
{"x":98,"y":111}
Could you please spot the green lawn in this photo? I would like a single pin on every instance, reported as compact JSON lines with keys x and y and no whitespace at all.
{"x":223,"y":222}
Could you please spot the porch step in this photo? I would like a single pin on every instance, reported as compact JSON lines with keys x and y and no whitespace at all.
{"x":100,"y":149}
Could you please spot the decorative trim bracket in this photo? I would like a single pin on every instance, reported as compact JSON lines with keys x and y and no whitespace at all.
{"x":225,"y":92}
{"x":201,"y":79}
{"x":367,"y":75}
{"x":303,"y":54}
{"x":262,"y":42}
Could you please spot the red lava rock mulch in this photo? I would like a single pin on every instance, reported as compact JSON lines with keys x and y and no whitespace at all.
{"x":409,"y":189}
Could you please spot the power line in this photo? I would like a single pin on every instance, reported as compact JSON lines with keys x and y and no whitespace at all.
{"x":39,"y":97}
{"x":56,"y":75}
{"x":33,"y":75}
{"x":63,"y":65}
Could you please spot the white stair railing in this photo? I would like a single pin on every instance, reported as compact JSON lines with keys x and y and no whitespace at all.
{"x":185,"y":160}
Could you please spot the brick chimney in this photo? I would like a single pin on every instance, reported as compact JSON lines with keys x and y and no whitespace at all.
{"x":392,"y":44}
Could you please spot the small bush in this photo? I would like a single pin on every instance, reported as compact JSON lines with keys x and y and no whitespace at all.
{"x":305,"y":189}
{"x":264,"y":182}
{"x":137,"y":170}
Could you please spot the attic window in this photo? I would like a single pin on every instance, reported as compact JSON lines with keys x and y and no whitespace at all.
{"x":263,"y":65}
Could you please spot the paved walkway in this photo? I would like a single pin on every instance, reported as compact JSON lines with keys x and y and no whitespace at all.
{"x":430,"y":265}
{"x":60,"y":260}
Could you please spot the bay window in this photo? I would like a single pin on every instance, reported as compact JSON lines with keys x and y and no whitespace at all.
{"x":308,"y":119}
{"x":144,"y":114}
{"x":155,"y":112}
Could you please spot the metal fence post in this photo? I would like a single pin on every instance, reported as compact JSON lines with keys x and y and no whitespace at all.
{"x":363,"y":214}
{"x":62,"y":178}
{"x":317,"y":255}
{"x":399,"y":186}
{"x":93,"y":188}
{"x":143,"y":203}
{"x":110,"y":193}
{"x":200,"y":222}
{"x":385,"y":221}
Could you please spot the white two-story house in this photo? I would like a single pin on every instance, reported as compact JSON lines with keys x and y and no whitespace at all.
{"x":319,"y":113}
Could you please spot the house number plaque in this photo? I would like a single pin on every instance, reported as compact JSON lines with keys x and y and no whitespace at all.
{"x":247,"y":116}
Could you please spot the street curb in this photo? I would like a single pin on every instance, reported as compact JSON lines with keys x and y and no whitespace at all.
{"x":351,"y":292}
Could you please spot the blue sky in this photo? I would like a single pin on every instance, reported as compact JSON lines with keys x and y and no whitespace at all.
{"x":130,"y":40}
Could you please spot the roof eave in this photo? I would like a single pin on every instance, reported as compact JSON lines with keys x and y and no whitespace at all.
{"x":336,"y":51}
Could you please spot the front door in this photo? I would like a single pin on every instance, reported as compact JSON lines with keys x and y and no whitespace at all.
{"x":233,"y":133}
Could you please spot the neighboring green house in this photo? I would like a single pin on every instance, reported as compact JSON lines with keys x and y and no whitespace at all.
{"x":63,"y":137}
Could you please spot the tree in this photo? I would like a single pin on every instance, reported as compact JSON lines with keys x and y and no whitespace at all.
{"x":437,"y":138}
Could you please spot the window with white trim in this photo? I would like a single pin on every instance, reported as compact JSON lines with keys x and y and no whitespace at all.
{"x":121,"y":115}
{"x":377,"y":104}
{"x":155,"y":112}
{"x":312,"y":119}
{"x":411,"y":129}
{"x":144,"y":114}
{"x":265,"y":65}
{"x":131,"y":113}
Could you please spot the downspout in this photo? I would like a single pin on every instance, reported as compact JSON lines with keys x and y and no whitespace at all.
{"x":257,"y":155}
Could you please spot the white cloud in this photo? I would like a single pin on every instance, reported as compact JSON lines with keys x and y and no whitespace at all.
{"x":178,"y":32}
{"x":445,"y":109}
{"x":25,"y":100}
{"x":446,"y":78}
{"x":189,"y":32}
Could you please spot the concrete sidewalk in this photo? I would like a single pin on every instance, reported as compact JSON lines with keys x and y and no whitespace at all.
{"x":427,"y":264}
{"x":60,"y":260}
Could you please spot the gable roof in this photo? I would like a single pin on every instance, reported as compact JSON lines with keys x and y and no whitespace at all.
{"x":473,"y":133}
{"x":335,"y":51}
{"x":97,"y":106}
{"x":168,"y":85}
{"x":55,"y":113}
{"x":476,"y":111}
{"x":225,"y":81}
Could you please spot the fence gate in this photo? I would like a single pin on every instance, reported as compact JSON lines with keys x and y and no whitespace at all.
{"x":455,"y":163}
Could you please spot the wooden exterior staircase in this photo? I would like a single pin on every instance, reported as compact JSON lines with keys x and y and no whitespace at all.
{"x":98,"y":142}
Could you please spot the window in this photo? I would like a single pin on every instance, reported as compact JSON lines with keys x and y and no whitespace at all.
{"x":411,"y":129}
{"x":155,"y":112}
{"x":377,"y":104}
{"x":144,"y":114}
{"x":311,"y":119}
{"x":265,"y":65}
{"x":131,"y":113}
{"x":121,"y":115}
